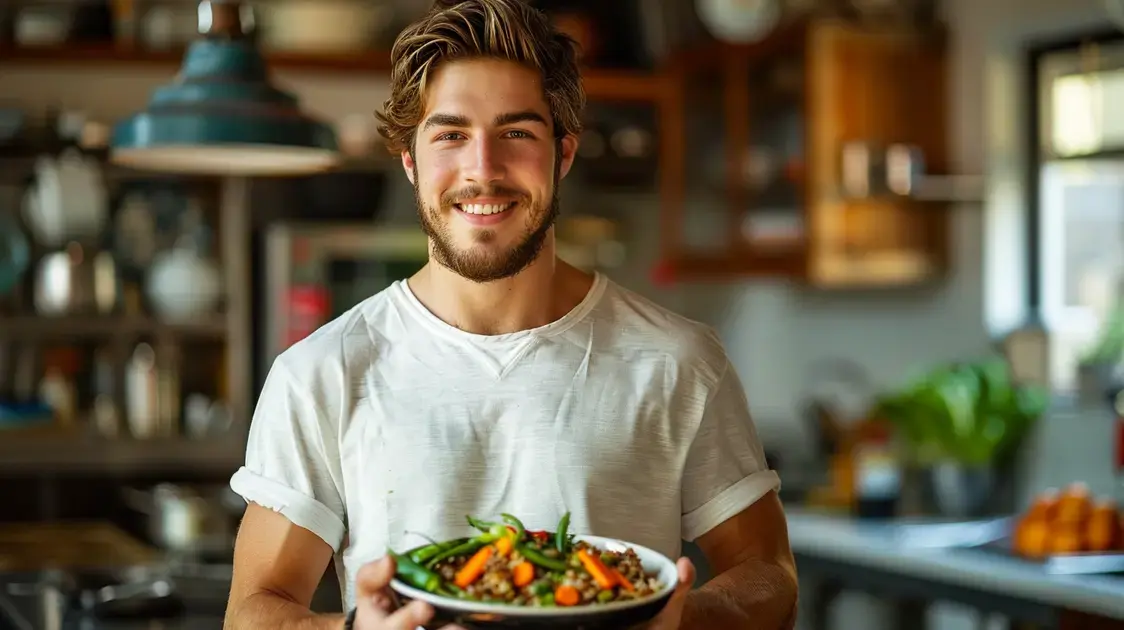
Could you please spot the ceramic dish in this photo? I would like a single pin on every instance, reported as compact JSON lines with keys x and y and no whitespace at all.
{"x":622,"y":614}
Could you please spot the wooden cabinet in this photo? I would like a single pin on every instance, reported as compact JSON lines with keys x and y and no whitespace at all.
{"x":870,"y":90}
{"x":763,"y":133}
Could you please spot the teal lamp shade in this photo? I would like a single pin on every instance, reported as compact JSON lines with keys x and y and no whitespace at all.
{"x":221,"y":115}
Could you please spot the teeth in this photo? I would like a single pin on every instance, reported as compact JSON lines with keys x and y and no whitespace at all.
{"x":489,"y":208}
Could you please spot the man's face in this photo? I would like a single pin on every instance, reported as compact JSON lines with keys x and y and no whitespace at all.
{"x":485,"y":167}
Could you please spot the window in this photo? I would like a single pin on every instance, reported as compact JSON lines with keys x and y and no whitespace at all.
{"x":1077,"y":210}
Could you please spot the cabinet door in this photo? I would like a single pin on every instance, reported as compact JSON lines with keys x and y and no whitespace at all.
{"x":870,"y":89}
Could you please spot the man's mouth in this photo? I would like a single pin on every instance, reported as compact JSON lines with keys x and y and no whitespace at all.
{"x":483,"y":208}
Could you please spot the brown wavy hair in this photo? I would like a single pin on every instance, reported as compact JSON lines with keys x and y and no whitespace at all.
{"x":465,"y":29}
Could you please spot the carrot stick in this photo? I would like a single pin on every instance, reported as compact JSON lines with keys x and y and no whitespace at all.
{"x":566,"y":595}
{"x":621,"y":579}
{"x":523,"y":574}
{"x":474,"y":568}
{"x":598,"y":570}
{"x":503,"y":546}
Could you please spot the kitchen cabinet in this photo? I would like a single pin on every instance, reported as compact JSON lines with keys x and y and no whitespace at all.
{"x":761,"y":192}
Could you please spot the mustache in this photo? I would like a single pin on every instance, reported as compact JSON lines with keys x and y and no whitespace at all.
{"x":470,"y":192}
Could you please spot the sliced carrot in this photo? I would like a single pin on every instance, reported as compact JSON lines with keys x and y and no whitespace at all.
{"x":503,"y":546}
{"x":597,"y":569}
{"x":523,"y":574}
{"x":566,"y":595}
{"x":474,"y":568}
{"x":621,"y":579}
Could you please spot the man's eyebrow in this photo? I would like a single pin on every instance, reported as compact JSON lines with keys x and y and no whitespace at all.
{"x":445,"y":120}
{"x":456,"y":120}
{"x":518,"y":117}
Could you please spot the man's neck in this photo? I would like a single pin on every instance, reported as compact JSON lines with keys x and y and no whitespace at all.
{"x":540,"y":294}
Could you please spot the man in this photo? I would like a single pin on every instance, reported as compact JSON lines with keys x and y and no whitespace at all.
{"x":498,"y":378}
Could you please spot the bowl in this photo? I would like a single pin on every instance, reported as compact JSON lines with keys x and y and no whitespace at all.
{"x":615,"y":615}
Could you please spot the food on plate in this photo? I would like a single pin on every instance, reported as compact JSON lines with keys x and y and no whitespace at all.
{"x":506,"y":563}
{"x":1068,"y":522}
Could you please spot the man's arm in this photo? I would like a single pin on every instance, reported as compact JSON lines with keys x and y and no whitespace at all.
{"x":277,"y":567}
{"x":755,"y":574}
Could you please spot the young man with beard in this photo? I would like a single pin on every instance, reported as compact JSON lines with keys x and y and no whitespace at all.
{"x":499,"y":378}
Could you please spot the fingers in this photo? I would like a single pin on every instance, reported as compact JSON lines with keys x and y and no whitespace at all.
{"x":686,"y":573}
{"x":409,"y":617}
{"x":373,"y":577}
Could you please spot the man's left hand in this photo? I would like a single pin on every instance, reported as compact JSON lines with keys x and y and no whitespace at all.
{"x":671,"y":616}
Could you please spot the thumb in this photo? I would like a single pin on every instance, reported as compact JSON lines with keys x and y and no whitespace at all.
{"x":686,"y":570}
{"x":375,"y":576}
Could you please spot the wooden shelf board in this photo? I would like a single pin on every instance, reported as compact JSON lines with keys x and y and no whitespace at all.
{"x":600,"y":84}
{"x":779,"y":263}
{"x":98,"y":326}
{"x":73,"y":452}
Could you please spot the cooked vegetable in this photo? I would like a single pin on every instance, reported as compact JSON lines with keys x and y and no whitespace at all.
{"x":414,"y":574}
{"x":596,"y":569}
{"x":561,"y":540}
{"x":507,"y":563}
{"x":474,"y":568}
{"x":566,"y":595}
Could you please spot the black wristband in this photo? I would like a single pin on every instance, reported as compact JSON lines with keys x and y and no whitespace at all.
{"x":349,"y":622}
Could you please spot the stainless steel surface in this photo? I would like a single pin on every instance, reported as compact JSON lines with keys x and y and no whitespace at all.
{"x":1085,"y":563}
{"x":76,"y":279}
{"x":186,"y":520}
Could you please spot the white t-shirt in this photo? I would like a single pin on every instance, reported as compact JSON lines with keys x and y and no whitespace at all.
{"x":387,"y":423}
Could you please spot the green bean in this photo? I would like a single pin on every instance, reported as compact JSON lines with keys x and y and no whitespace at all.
{"x":414,"y":574}
{"x":424,"y":553}
{"x":604,"y":596}
{"x":467,"y":547}
{"x":538,"y":558}
{"x":517,"y":524}
{"x":560,"y":536}
{"x":488,"y":527}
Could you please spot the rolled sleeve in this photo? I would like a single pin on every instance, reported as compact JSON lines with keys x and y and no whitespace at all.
{"x":292,"y":458}
{"x":725,"y":471}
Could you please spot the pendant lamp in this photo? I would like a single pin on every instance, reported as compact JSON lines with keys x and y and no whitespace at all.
{"x":222,"y":115}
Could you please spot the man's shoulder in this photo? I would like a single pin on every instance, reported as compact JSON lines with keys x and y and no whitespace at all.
{"x":641,"y":322}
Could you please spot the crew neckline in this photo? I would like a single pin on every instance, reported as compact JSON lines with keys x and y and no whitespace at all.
{"x":556,"y":327}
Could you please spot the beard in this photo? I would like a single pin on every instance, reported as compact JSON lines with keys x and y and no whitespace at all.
{"x":480,"y":264}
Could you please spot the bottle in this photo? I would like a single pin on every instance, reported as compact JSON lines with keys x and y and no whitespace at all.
{"x":878,"y":477}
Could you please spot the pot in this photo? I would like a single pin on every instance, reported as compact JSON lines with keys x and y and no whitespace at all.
{"x":185,"y":520}
{"x":962,"y":491}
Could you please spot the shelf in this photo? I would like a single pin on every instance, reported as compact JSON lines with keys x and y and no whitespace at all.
{"x":117,"y":54}
{"x":721,"y":266}
{"x":600,"y":84}
{"x":79,"y":453}
{"x":101,"y":326}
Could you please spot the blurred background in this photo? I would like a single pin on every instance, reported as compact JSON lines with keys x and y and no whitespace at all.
{"x":904,"y":217}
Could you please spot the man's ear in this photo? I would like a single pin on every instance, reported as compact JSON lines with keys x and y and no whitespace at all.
{"x":568,"y":150}
{"x":408,"y":166}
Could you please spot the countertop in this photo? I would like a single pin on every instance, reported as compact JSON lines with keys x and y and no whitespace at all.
{"x":915,"y":549}
{"x":203,"y":597}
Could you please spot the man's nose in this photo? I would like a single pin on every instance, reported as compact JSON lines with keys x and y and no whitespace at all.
{"x":485,"y":161}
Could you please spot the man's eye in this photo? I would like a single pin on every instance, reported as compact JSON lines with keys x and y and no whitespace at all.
{"x":517,"y":133}
{"x":449,"y":135}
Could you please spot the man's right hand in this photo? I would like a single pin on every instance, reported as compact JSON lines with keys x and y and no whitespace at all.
{"x":375,"y":605}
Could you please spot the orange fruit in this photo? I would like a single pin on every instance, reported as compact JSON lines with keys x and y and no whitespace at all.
{"x":1067,"y":538}
{"x":1032,"y":539}
{"x":1045,"y":506}
{"x":1103,"y":529}
{"x":1074,"y":505}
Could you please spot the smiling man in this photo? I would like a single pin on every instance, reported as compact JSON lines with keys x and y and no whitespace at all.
{"x":499,"y":378}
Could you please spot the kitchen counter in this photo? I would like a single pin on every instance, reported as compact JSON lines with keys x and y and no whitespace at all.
{"x":923,"y":562}
{"x":203,"y":599}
